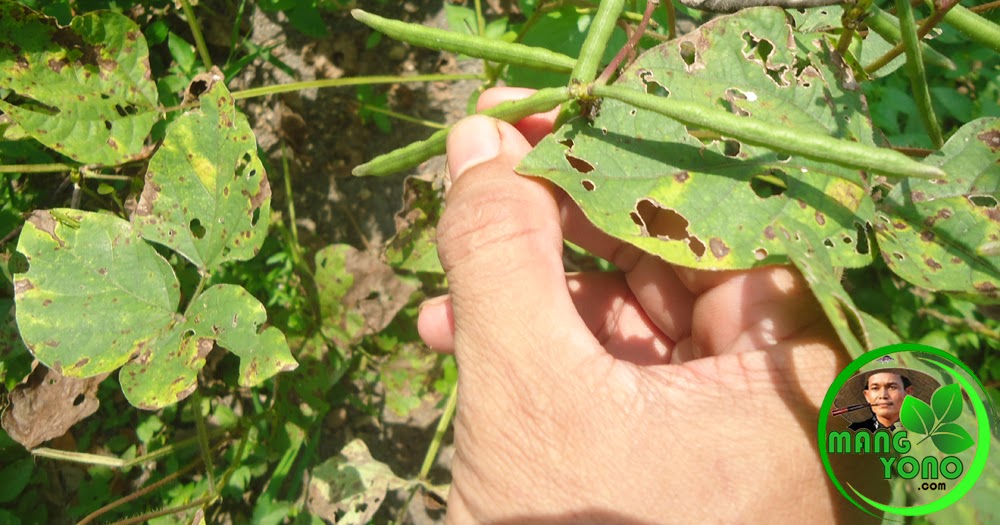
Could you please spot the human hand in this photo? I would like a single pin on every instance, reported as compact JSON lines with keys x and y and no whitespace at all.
{"x":654,"y":394}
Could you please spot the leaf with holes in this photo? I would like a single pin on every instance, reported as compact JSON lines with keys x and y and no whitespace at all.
{"x":206,"y":194}
{"x":351,"y":485}
{"x":84,"y":90}
{"x":167,"y":370}
{"x":414,"y":247}
{"x":932,"y":232}
{"x":706,"y":201}
{"x":96,"y":295}
{"x":857,"y":331}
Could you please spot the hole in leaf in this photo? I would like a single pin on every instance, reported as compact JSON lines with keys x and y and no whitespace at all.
{"x":30,"y":104}
{"x":828,"y":242}
{"x":688,"y":52}
{"x":225,"y":251}
{"x":107,"y":124}
{"x":567,"y":142}
{"x":862,"y":245}
{"x":898,"y":256}
{"x":731,"y":148}
{"x":78,"y":400}
{"x":242,"y":164}
{"x":983,"y":201}
{"x":654,"y":88}
{"x":769,"y":184}
{"x":760,"y":254}
{"x":588,"y":185}
{"x":579,"y":164}
{"x":782,"y":157}
{"x":256,"y":216}
{"x":664,"y":223}
{"x":197,"y":229}
{"x":197,"y":87}
{"x":120,"y":110}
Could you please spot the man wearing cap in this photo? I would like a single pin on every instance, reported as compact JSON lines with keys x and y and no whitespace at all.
{"x":885,"y":392}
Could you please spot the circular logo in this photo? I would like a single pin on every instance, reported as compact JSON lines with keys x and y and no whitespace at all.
{"x":913,"y":416}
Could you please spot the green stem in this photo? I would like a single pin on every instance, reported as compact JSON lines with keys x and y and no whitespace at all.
{"x":139,"y":493}
{"x":353,"y":81}
{"x":293,"y":226}
{"x":165,"y":512}
{"x":113,"y":462}
{"x":471,"y":45}
{"x":887,"y":26}
{"x":973,"y":26}
{"x":206,"y":451}
{"x":782,"y":139}
{"x":918,"y":76}
{"x":406,"y":118}
{"x":671,"y":19}
{"x":37,"y":168}
{"x":199,"y":40}
{"x":592,"y":51}
{"x":480,"y":23}
{"x":412,"y":155}
{"x":439,"y":432}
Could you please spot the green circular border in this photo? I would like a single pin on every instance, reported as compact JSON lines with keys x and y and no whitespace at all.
{"x":979,"y":408}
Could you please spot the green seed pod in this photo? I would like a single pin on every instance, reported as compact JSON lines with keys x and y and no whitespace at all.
{"x":412,"y":155}
{"x":795,"y":142}
{"x":472,"y":45}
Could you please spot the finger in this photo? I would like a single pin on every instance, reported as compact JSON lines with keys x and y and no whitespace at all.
{"x":604,"y":302}
{"x":436,"y":324}
{"x":533,"y":127}
{"x":500,"y":243}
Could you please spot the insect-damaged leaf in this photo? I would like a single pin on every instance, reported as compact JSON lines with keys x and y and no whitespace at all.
{"x":96,"y":295}
{"x":932,"y":232}
{"x":84,"y":90}
{"x":707,"y":201}
{"x":352,"y":485}
{"x":206,"y":194}
{"x":167,"y":371}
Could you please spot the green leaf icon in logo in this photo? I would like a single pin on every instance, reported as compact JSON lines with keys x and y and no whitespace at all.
{"x":947,"y":403}
{"x":935,"y":420}
{"x":916,"y":415}
{"x":951,"y":438}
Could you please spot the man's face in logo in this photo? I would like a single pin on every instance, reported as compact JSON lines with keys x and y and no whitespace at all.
{"x":885,"y":392}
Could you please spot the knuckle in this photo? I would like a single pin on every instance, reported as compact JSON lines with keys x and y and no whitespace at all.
{"x":487,"y":223}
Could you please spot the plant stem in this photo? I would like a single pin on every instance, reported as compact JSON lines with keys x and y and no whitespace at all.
{"x":974,"y":26}
{"x":114,"y":462}
{"x":630,"y":45}
{"x":199,"y":40}
{"x":918,"y":76}
{"x":37,"y":168}
{"x":165,"y":512}
{"x":439,"y":432}
{"x":406,"y":118}
{"x":353,"y":81}
{"x":985,"y":7}
{"x":480,"y":23}
{"x":293,"y":226}
{"x":206,"y":451}
{"x":140,"y":493}
{"x":932,"y":21}
{"x":754,"y":131}
{"x":671,"y":19}
{"x":592,"y":51}
{"x":887,"y":26}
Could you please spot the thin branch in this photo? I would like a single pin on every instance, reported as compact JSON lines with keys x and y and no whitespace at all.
{"x":985,"y":7}
{"x":925,"y":28}
{"x":630,"y":45}
{"x":140,"y":493}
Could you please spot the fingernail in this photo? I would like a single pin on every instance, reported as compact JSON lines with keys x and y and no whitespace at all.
{"x":472,"y":141}
{"x":432,"y":303}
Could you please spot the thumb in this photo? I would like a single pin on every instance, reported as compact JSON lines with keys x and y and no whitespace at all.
{"x":500,"y":243}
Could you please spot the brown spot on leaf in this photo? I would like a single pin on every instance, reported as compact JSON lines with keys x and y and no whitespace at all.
{"x":991,"y":138}
{"x":918,"y":196}
{"x":899,"y":225}
{"x":681,"y":176}
{"x":931,"y":263}
{"x":719,"y":248}
{"x":927,"y":236}
{"x":820,"y":219}
{"x":769,"y":233}
{"x":986,"y":288}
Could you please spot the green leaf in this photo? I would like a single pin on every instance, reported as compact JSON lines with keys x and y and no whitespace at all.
{"x":15,"y":361}
{"x":916,"y":415}
{"x":461,"y":19}
{"x":96,"y":297}
{"x":182,"y":51}
{"x":225,"y":314}
{"x":83,"y":90}
{"x":706,"y":201}
{"x":206,"y":194}
{"x":930,"y":232}
{"x":952,"y":439}
{"x":947,"y":403}
{"x":351,"y":485}
{"x":14,"y":477}
{"x":414,"y":247}
{"x":94,"y":294}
